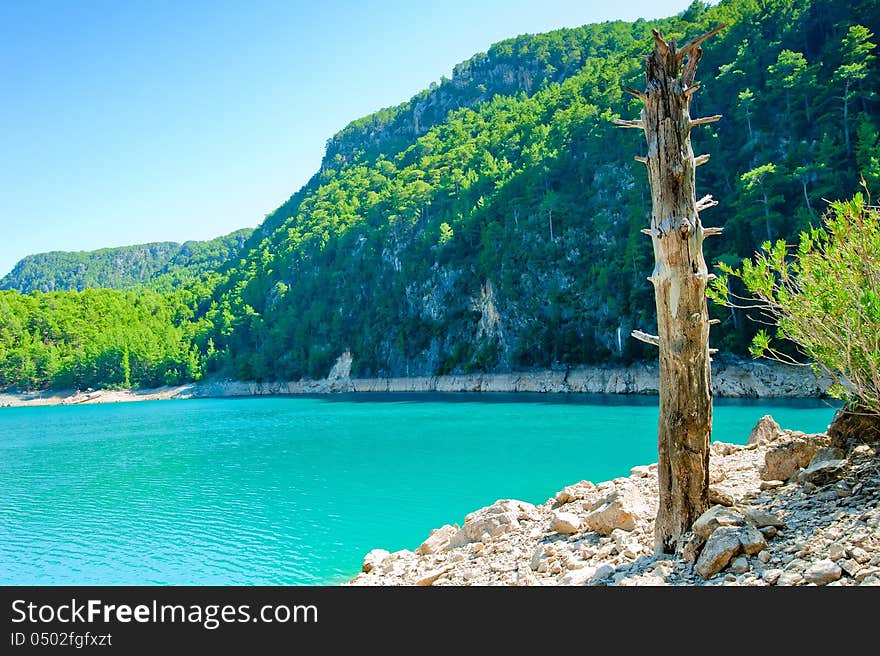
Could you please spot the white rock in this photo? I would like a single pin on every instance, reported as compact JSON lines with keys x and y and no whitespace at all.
{"x":565,"y":523}
{"x":722,"y":545}
{"x":771,"y":575}
{"x":574,"y":492}
{"x":431,"y":577}
{"x":374,"y":559}
{"x":640,"y":471}
{"x":491,"y":521}
{"x":790,"y":578}
{"x":860,"y":555}
{"x":765,"y":431}
{"x":716,"y":517}
{"x":580,"y":576}
{"x":618,"y":510}
{"x":438,"y":540}
{"x":823,"y":572}
{"x":836,"y":551}
{"x":716,"y":475}
{"x":761,"y":518}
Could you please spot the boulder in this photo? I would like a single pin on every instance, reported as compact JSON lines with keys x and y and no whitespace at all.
{"x":374,"y":559}
{"x":574,"y":492}
{"x":850,"y":428}
{"x":790,"y":578}
{"x":565,"y":523}
{"x":771,"y":575}
{"x":718,"y":495}
{"x":752,"y":540}
{"x":618,"y":510}
{"x":823,"y":572}
{"x":740,"y":565}
{"x":602,"y":572}
{"x":724,"y":448}
{"x":539,"y":555}
{"x":438,"y":540}
{"x":765,"y":431}
{"x":828,"y":453}
{"x":716,"y":517}
{"x":640,"y":471}
{"x":722,"y":545}
{"x":761,"y":518}
{"x":836,"y":551}
{"x":783,"y":459}
{"x":492,"y":521}
{"x":823,"y":472}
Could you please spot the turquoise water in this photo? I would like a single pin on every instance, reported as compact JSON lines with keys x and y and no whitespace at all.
{"x":297,"y":490}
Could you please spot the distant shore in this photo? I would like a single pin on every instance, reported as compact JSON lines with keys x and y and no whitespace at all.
{"x":732,"y":378}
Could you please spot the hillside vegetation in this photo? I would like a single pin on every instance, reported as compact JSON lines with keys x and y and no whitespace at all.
{"x":492,"y":222}
{"x":160,"y":265}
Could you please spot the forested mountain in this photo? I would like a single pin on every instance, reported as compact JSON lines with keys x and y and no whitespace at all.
{"x":492,"y":222}
{"x":160,"y":265}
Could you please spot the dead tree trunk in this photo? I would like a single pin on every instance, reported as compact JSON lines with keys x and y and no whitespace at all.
{"x":680,"y":277}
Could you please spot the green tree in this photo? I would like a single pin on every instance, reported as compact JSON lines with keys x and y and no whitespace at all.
{"x":854,"y":69}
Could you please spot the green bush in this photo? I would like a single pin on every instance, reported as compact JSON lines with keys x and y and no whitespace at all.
{"x":823,"y":296}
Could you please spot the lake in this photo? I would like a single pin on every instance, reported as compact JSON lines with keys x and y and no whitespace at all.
{"x":295,"y":490}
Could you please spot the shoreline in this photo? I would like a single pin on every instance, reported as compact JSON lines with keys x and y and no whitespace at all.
{"x":785,"y":509}
{"x":730,"y":378}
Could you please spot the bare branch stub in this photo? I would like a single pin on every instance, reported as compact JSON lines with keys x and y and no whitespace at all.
{"x":705,"y":120}
{"x":647,"y":338}
{"x":695,"y":43}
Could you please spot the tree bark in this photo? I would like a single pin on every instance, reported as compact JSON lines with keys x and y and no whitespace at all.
{"x":680,"y":277}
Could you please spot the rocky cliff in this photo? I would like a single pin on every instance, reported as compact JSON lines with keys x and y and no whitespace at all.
{"x":730,"y":378}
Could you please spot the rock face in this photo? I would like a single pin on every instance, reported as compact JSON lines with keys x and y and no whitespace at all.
{"x":732,"y":378}
{"x":794,"y":533}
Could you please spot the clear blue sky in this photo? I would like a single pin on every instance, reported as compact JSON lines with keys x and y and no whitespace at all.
{"x":130,"y":121}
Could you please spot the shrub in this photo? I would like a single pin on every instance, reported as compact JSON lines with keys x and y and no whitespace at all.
{"x":824,"y":297}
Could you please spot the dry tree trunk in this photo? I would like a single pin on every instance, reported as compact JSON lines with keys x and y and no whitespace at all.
{"x":680,"y":277}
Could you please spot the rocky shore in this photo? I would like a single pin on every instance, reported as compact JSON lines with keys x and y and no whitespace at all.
{"x":788,"y":509}
{"x":730,"y":378}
